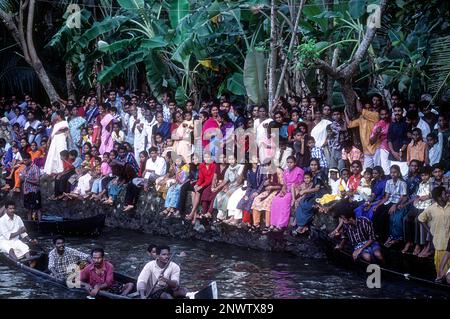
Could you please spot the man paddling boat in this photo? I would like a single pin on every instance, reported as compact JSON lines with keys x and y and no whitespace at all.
{"x":62,"y":259}
{"x":160,"y":278}
{"x":13,"y":233}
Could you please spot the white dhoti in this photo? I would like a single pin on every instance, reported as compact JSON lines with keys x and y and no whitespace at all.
{"x":19,"y":248}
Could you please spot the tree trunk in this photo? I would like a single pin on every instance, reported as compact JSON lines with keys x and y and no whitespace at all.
{"x":25,"y":41}
{"x":273,"y":54}
{"x":69,"y":82}
{"x":349,"y":98}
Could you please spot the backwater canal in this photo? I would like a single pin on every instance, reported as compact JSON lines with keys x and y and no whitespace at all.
{"x":239,"y":272}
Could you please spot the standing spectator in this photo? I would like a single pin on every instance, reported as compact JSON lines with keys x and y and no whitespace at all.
{"x":31,"y":190}
{"x":379,"y":137}
{"x":365,"y":122}
{"x":434,"y":149}
{"x":436,"y":220}
{"x":413,"y":119}
{"x":398,"y":140}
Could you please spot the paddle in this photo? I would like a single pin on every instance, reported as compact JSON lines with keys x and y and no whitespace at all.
{"x":161,"y":275}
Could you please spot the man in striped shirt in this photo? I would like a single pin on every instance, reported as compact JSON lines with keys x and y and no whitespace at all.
{"x":359,"y":231}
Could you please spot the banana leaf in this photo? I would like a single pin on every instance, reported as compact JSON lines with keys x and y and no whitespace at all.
{"x":254,"y":76}
{"x":178,"y":10}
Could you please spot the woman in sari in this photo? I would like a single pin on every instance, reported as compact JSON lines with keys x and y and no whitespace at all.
{"x":75,"y":124}
{"x":98,"y":126}
{"x":107,"y":142}
{"x":173,"y":193}
{"x":92,"y":111}
{"x":58,"y":143}
{"x":182,"y":138}
{"x":263,"y":201}
{"x":161,"y":127}
{"x":305,"y":210}
{"x":231,"y":182}
{"x":281,"y":204}
{"x":210,"y":130}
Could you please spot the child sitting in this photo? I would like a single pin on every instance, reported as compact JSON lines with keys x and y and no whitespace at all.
{"x":117,"y":135}
{"x":299,"y":191}
{"x":413,"y":231}
{"x":364,"y":189}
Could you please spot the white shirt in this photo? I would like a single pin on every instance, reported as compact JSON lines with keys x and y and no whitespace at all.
{"x":151,"y":272}
{"x":119,"y":138}
{"x":9,"y":226}
{"x":435,"y":153}
{"x":425,"y":128}
{"x":159,"y":166}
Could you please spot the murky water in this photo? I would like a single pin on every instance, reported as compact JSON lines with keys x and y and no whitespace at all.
{"x":240,"y":273}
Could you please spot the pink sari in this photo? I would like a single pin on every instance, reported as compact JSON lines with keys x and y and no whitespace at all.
{"x":107,"y":141}
{"x":280,"y":210}
{"x":209,"y":126}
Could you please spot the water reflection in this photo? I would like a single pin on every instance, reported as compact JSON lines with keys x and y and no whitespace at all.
{"x":240,"y":273}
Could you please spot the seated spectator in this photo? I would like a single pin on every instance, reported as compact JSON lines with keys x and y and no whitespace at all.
{"x":414,"y":232}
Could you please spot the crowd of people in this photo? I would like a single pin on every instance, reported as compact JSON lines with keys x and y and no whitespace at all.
{"x":390,"y":162}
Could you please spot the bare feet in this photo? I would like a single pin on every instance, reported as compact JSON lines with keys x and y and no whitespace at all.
{"x":407,"y":247}
{"x":128,"y":208}
{"x":417,"y":250}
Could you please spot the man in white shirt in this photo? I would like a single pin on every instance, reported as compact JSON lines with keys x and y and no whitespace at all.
{"x":413,"y":119}
{"x":155,"y":167}
{"x":11,"y":230}
{"x":33,"y":127}
{"x":160,"y":278}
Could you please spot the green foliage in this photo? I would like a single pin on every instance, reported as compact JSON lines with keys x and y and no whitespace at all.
{"x":255,"y":75}
{"x":307,"y":52}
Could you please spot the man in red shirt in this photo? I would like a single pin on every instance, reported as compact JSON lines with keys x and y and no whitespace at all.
{"x":99,"y":275}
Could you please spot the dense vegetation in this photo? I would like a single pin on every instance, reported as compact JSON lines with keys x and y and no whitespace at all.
{"x":256,"y":50}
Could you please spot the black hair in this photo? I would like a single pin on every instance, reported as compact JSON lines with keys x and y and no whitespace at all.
{"x":151,"y":246}
{"x":153,"y":149}
{"x":437,"y":192}
{"x":317,"y":162}
{"x":345,"y":213}
{"x":97,"y":250}
{"x":161,"y":248}
{"x":58,"y":237}
{"x":10,"y":203}
{"x":438,"y":165}
{"x":412,"y":115}
{"x":74,"y":153}
{"x":380,"y":170}
{"x":357,"y":163}
{"x":426,"y":170}
{"x":418,"y":130}
{"x":64,"y":153}
{"x":433,"y":136}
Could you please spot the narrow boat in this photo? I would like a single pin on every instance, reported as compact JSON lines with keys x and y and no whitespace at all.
{"x":397,"y":266}
{"x":40,"y":271}
{"x":51,"y":225}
